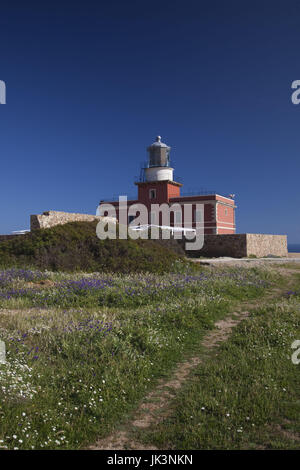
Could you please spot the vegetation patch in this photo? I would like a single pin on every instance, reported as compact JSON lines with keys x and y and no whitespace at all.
{"x":245,"y":395}
{"x":75,"y":247}
{"x":78,"y":363}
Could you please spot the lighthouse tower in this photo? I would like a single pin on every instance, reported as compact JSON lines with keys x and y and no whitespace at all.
{"x":159,"y":168}
{"x":158,"y":185}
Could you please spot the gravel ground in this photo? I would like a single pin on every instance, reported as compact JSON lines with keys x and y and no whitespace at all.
{"x":292,"y":258}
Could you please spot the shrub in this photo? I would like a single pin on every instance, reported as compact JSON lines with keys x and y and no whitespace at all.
{"x":75,"y":247}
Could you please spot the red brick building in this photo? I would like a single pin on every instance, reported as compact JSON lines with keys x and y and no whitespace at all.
{"x":156,"y":186}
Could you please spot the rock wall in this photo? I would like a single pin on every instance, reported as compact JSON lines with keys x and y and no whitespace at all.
{"x":264,"y":245}
{"x":234,"y":245}
{"x":243,"y":245}
{"x":51,"y":218}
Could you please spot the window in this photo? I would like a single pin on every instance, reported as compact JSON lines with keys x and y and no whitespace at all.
{"x":178,"y":217}
{"x":152,"y":194}
{"x":226,"y":211}
{"x":153,"y":218}
{"x":199,"y":216}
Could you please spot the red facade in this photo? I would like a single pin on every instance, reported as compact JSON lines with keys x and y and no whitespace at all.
{"x":218,"y":211}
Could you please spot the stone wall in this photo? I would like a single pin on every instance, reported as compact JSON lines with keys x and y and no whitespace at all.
{"x":264,"y":245}
{"x":242,"y":245}
{"x":234,"y":245}
{"x":51,"y":218}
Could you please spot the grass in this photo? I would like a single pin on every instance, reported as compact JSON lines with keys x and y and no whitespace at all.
{"x":83,"y":350}
{"x":245,"y":395}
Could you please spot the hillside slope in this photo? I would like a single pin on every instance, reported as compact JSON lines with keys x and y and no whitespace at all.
{"x":75,"y":247}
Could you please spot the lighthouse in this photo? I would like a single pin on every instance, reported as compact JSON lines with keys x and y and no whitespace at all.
{"x":156,"y":186}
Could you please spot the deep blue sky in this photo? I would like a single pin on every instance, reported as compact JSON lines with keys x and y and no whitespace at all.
{"x":90,"y":85}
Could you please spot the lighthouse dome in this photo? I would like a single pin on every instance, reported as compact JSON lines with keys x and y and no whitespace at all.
{"x":159,"y":143}
{"x":159,"y":153}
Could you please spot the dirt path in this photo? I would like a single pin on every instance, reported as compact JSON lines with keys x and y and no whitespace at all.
{"x":156,"y":405}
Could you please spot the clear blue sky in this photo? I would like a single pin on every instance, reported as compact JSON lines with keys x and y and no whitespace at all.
{"x":90,"y":85}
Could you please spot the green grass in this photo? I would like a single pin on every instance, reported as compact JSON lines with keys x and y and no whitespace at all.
{"x":75,"y":372}
{"x":246,"y":394}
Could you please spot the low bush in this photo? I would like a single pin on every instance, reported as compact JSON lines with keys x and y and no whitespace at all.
{"x":75,"y":247}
